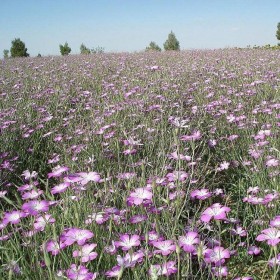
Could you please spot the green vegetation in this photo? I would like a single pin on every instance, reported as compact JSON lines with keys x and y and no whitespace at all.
{"x":18,"y":49}
{"x":65,"y":49}
{"x":171,"y":44}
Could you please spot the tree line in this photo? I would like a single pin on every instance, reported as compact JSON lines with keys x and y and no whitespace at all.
{"x":18,"y":48}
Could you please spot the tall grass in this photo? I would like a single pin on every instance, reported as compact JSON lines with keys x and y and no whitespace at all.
{"x":200,"y":120}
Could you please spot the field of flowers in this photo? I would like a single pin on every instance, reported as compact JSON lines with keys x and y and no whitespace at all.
{"x":141,"y":166}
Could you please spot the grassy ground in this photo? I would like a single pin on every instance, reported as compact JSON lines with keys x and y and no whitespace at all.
{"x":120,"y":145}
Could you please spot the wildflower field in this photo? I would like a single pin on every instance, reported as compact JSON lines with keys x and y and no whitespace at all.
{"x":141,"y":166}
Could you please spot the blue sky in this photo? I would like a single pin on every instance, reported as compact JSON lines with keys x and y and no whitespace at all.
{"x":129,"y":25}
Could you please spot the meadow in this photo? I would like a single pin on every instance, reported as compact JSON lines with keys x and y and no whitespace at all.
{"x":141,"y":166}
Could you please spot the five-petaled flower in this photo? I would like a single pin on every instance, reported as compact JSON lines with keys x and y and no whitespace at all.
{"x":78,"y":235}
{"x":165,"y":247}
{"x":189,"y":241}
{"x":139,"y":196}
{"x":126,"y":242}
{"x":216,"y":256}
{"x":216,"y":211}
{"x":270,"y":235}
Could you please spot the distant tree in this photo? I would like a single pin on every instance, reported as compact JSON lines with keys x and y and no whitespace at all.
{"x":171,"y":44}
{"x":18,"y":49}
{"x":84,"y":49}
{"x":39,"y":55}
{"x":97,"y":50}
{"x":278,"y":31}
{"x":6,"y":54}
{"x":64,"y":49}
{"x":153,"y":47}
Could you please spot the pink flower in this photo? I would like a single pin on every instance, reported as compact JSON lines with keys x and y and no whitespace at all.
{"x":80,"y":273}
{"x":126,"y":242}
{"x":114,"y":272}
{"x":54,"y":247}
{"x":189,"y":241}
{"x":195,"y":136}
{"x":239,"y":231}
{"x":60,"y":188}
{"x":99,"y":218}
{"x":13,"y":217}
{"x":254,"y":250}
{"x":85,"y":252}
{"x":165,"y":269}
{"x":29,"y":175}
{"x":111,"y":249}
{"x":42,"y":221}
{"x":165,"y":247}
{"x":275,"y":222}
{"x":270,"y":235}
{"x":200,"y":194}
{"x":216,"y":256}
{"x":274,"y":261}
{"x":57,"y":171}
{"x":78,"y":235}
{"x":130,"y":260}
{"x":153,"y":236}
{"x":177,"y":176}
{"x":34,"y":207}
{"x":177,"y":156}
{"x":32,"y":194}
{"x":216,"y":211}
{"x":272,"y":162}
{"x":139,"y":196}
{"x":137,"y":219}
{"x":89,"y":177}
{"x":223,"y":166}
{"x":220,"y":271}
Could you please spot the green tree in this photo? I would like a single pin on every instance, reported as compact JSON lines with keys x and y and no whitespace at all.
{"x":6,"y":54}
{"x":64,"y":49}
{"x":97,"y":50}
{"x":153,"y":47}
{"x":278,"y":31}
{"x":18,"y":49}
{"x":84,"y":49}
{"x":171,"y":44}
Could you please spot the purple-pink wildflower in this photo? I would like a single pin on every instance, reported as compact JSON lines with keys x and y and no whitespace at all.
{"x":165,"y":269}
{"x":201,"y":194}
{"x":34,"y":207}
{"x":139,"y":196}
{"x":80,"y":273}
{"x":72,"y":235}
{"x":86,"y":253}
{"x":13,"y":217}
{"x":216,"y":212}
{"x":216,"y":256}
{"x":165,"y":247}
{"x":189,"y":241}
{"x":127,"y":242}
{"x":270,"y":235}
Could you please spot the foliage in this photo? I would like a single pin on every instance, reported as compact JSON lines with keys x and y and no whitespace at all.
{"x":84,"y":49}
{"x":64,"y":49}
{"x":267,"y":47}
{"x":39,"y":55}
{"x":18,"y":48}
{"x":6,"y":54}
{"x":278,"y":31}
{"x":153,"y":47}
{"x":97,"y":49}
{"x":171,"y":44}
